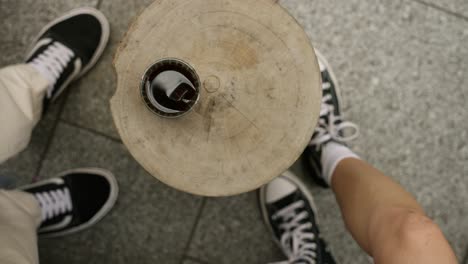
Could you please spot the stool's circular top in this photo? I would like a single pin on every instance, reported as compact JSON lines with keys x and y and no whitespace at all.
{"x":259,"y":97}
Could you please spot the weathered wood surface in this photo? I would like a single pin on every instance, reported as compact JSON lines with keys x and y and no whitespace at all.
{"x":260,"y":94}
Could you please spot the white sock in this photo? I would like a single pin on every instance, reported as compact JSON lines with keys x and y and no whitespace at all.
{"x":332,"y":154}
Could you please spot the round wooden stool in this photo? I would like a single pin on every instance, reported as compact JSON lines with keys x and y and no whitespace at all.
{"x":216,"y":97}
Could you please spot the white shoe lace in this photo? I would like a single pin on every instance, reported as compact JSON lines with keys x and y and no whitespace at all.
{"x":54,"y":203}
{"x":293,"y":240}
{"x":335,"y":127}
{"x":52,"y":62}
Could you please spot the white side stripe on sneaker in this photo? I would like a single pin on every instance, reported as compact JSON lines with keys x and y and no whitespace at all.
{"x":52,"y":62}
{"x":54,"y":203}
{"x":62,"y":224}
{"x":39,"y":44}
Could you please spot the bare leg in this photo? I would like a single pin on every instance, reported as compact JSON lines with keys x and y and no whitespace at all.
{"x":385,"y":220}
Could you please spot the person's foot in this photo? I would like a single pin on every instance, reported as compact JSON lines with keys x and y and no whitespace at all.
{"x":331,"y":126}
{"x":289,"y":212}
{"x":68,"y":47}
{"x":74,"y":200}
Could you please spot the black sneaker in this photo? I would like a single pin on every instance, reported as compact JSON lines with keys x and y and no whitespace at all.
{"x":75,"y":200}
{"x":289,"y":212}
{"x":331,"y":126}
{"x":68,"y":47}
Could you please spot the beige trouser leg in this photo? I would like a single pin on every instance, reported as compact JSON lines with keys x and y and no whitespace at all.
{"x":22,"y":90}
{"x":20,"y":215}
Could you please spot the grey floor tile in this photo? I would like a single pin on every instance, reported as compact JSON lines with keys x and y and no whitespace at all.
{"x":399,"y":66}
{"x":459,"y":7}
{"x":88,"y":105}
{"x":462,"y":146}
{"x":150,"y":223}
{"x":188,"y":261}
{"x":192,"y":261}
{"x":231,"y":230}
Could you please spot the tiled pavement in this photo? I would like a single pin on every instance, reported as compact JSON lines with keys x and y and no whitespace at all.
{"x":403,"y":68}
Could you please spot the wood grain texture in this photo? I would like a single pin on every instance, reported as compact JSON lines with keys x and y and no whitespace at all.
{"x":260,"y":94}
